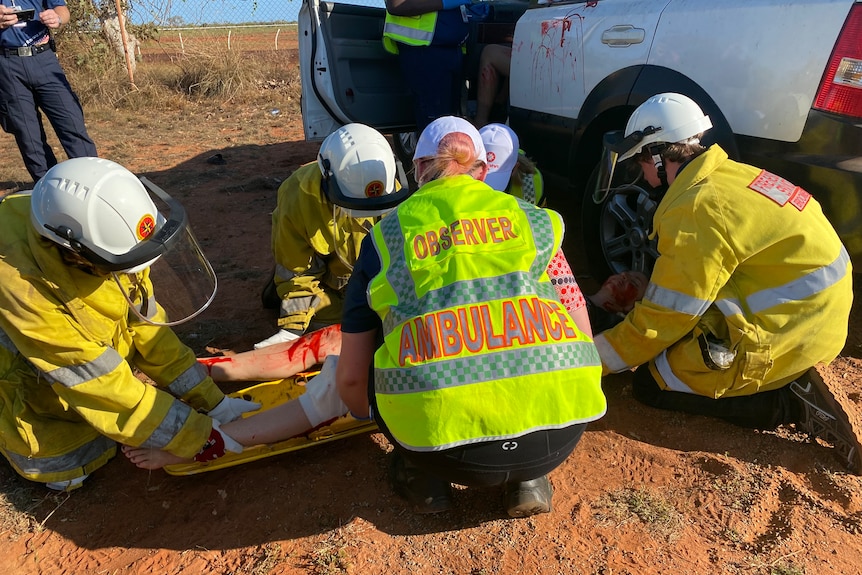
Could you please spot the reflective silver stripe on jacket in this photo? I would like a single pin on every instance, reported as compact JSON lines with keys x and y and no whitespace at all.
{"x":802,"y":288}
{"x":609,"y":355}
{"x":173,"y":421}
{"x":407,"y":32}
{"x":489,"y":367}
{"x":73,"y":375}
{"x":6,"y":342}
{"x":797,"y":290}
{"x":676,"y":301}
{"x":150,"y":306}
{"x":188,"y":380}
{"x":316,"y":266}
{"x":294,"y":305}
{"x":669,"y":377}
{"x":285,"y":274}
{"x":87,"y":453}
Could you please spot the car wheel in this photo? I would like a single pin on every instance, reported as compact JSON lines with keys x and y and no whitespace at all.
{"x":616,"y":231}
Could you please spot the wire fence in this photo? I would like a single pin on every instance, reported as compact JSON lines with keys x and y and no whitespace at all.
{"x":212,"y":13}
{"x":195,"y":25}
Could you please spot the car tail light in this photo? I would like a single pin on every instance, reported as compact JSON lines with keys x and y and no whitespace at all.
{"x":841,"y":88}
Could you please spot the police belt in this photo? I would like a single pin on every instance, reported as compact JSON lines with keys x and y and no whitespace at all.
{"x":30,"y":50}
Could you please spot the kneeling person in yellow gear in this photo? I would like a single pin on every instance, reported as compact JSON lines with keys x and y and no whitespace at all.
{"x":752,"y":287}
{"x":316,"y":236}
{"x":321,"y":401}
{"x":84,"y":256}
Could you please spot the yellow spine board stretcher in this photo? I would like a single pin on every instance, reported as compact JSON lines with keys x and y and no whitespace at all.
{"x":269,"y":394}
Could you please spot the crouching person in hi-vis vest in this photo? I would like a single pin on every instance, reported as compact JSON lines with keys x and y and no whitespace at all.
{"x":481,"y":376}
{"x":84,"y":256}
{"x":509,"y":168}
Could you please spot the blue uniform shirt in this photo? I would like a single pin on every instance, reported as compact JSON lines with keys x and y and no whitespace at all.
{"x":32,"y":32}
{"x":358,"y":316}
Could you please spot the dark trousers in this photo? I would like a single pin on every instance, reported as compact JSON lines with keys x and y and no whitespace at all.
{"x":764,"y":410}
{"x":29,"y":84}
{"x":435,"y":76}
{"x":494,"y":463}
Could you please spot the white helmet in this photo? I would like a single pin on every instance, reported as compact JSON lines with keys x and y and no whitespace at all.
{"x":91,"y":205}
{"x":359,"y":172}
{"x":104,"y":213}
{"x":663,"y":119}
{"x":667,"y":118}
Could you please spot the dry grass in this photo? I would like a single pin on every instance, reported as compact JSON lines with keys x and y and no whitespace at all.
{"x":202,"y":72}
{"x":654,"y":510}
{"x":25,"y":507}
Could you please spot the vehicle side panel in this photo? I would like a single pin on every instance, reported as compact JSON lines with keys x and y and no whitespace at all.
{"x":774,"y":52}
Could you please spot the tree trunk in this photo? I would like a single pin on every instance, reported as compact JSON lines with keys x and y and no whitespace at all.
{"x":111,"y":29}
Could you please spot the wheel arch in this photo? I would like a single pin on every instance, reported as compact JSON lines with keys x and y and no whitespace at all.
{"x":608,"y":107}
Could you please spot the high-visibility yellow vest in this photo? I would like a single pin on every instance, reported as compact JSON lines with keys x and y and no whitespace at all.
{"x":477,"y":346}
{"x":529,"y":187}
{"x":410,"y":30}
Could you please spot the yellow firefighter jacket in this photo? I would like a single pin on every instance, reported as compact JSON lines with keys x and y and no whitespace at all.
{"x":68,"y":341}
{"x":747,"y":260}
{"x":314,"y":249}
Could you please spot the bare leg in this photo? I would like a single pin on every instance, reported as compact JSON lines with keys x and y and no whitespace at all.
{"x":276,"y":424}
{"x":277,"y":361}
{"x":494,"y":64}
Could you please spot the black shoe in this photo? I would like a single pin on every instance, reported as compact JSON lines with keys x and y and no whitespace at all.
{"x":269,"y":296}
{"x":529,"y":497}
{"x":426,"y":494}
{"x":826,"y":412}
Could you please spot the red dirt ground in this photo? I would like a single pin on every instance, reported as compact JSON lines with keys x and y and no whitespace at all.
{"x":645,"y":493}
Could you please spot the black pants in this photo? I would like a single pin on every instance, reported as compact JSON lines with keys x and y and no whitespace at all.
{"x":30,"y":86}
{"x":764,"y":410}
{"x":494,"y":462}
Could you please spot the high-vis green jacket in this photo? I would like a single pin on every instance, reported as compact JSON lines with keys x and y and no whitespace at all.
{"x":477,"y":346}
{"x":315,"y":246}
{"x":528,"y":187}
{"x":68,"y":341}
{"x":749,"y":264}
{"x":410,"y":30}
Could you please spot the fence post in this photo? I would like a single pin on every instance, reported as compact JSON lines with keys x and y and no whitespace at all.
{"x":277,"y":32}
{"x":121,"y":18}
{"x":228,"y":40}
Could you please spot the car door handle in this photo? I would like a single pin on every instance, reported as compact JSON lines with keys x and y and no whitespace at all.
{"x":623,"y":35}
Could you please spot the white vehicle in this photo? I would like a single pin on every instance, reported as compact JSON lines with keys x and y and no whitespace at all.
{"x":781,"y":82}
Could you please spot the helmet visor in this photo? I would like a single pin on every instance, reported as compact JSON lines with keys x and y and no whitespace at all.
{"x":607,"y":166}
{"x":181,"y":280}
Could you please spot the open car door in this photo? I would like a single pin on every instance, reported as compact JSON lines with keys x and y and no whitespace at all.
{"x":346,"y":74}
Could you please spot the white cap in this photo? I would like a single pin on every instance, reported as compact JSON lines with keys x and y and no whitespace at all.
{"x":429,"y":140}
{"x":501,"y":145}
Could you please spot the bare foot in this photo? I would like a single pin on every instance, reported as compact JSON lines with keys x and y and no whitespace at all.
{"x":149,"y":458}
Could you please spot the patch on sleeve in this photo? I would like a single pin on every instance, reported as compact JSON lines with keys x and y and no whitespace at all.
{"x":780,"y":190}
